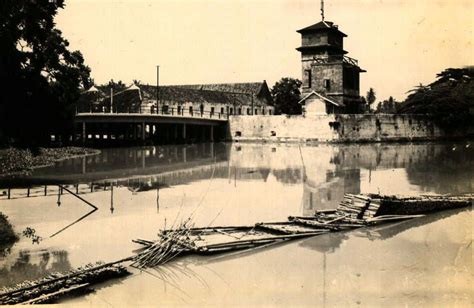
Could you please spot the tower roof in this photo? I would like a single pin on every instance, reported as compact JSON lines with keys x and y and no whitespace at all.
{"x":321,"y":26}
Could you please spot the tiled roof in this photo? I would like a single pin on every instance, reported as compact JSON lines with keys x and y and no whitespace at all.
{"x":322,"y":25}
{"x":233,"y":94}
{"x":247,"y":87}
{"x":241,"y":93}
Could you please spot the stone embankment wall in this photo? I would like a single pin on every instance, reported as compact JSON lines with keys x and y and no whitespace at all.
{"x":337,"y":128}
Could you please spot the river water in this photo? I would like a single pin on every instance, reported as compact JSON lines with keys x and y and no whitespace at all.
{"x":426,"y":261}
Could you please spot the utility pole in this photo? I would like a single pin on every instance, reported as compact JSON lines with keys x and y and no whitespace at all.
{"x":111,"y":98}
{"x":157,"y":88}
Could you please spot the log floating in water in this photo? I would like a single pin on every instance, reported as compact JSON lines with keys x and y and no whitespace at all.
{"x":59,"y":284}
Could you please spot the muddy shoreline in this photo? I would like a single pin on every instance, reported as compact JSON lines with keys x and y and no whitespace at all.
{"x":20,"y":162}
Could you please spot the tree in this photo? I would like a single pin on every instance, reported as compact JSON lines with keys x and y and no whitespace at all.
{"x":370,"y":97}
{"x":449,"y":101}
{"x":286,"y":95}
{"x":40,"y":77}
{"x":387,"y":106}
{"x":117,"y":86}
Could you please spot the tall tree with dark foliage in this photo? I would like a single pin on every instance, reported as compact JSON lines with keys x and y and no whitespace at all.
{"x":40,"y":78}
{"x":286,"y":95}
{"x":449,"y":100}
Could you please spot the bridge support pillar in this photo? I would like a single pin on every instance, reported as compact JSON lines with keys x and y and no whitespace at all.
{"x":211,"y":134}
{"x":83,"y":135}
{"x":143,"y":131}
{"x":184,"y":132}
{"x":135,"y":132}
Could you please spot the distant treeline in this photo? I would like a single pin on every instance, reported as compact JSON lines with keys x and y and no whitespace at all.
{"x":449,"y":100}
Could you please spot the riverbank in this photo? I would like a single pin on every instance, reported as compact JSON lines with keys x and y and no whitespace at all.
{"x":14,"y":161}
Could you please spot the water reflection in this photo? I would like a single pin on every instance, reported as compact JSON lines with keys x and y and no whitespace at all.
{"x":30,"y":266}
{"x":136,"y":189}
{"x":327,"y":193}
{"x":327,"y":172}
{"x":385,"y":232}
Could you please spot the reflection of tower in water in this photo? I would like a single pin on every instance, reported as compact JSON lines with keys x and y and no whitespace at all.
{"x":327,"y":194}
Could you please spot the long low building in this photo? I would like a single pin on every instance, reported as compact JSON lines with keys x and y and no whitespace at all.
{"x":215,"y":99}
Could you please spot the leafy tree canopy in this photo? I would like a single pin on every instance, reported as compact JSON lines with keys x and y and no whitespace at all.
{"x":286,"y":95}
{"x":117,"y":86}
{"x":449,"y":100}
{"x":40,"y":77}
{"x":370,"y":97}
{"x":387,"y":106}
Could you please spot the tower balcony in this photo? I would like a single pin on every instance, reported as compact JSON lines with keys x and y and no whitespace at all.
{"x":327,"y":59}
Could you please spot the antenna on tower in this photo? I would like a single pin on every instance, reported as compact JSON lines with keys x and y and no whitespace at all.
{"x":322,"y":9}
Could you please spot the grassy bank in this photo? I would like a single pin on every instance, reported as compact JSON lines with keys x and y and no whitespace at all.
{"x":7,"y":235}
{"x":15,"y":161}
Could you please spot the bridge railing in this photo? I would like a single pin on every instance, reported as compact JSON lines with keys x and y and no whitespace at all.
{"x":170,"y":111}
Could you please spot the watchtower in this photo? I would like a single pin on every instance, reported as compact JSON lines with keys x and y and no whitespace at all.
{"x":327,"y":71}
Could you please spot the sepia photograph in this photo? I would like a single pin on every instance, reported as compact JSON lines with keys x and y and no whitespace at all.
{"x":237,"y":153}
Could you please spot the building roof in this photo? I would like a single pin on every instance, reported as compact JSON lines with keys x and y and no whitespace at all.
{"x":320,"y":26}
{"x":204,"y":94}
{"x":254,"y":88}
{"x":321,"y":47}
{"x":251,"y":93}
{"x":321,"y":97}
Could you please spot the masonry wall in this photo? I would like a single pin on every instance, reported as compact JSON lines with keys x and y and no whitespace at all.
{"x":338,"y":128}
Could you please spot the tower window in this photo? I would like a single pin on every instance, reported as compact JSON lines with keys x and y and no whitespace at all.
{"x":327,"y":84}
{"x":307,"y":78}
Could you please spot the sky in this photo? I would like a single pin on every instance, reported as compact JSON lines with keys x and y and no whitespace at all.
{"x":400,"y":43}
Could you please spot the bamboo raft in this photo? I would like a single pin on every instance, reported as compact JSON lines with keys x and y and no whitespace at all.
{"x":56,"y":285}
{"x":355,"y":211}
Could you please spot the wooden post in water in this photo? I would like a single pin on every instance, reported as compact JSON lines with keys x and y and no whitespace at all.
{"x":28,"y":192}
{"x":9,"y":193}
{"x":59,"y":196}
{"x":111,"y":198}
{"x":158,"y":200}
{"x":45,"y":190}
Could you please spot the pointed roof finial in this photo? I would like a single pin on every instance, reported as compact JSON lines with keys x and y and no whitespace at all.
{"x":322,"y":10}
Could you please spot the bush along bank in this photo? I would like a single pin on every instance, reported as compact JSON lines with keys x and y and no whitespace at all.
{"x":14,"y":161}
{"x":7,"y":236}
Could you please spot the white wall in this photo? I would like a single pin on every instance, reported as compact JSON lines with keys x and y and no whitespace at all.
{"x":342,"y":127}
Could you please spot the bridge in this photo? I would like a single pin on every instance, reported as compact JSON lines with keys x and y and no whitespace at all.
{"x":149,"y":124}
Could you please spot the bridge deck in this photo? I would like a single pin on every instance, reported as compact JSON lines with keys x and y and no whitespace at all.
{"x":196,"y":118}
